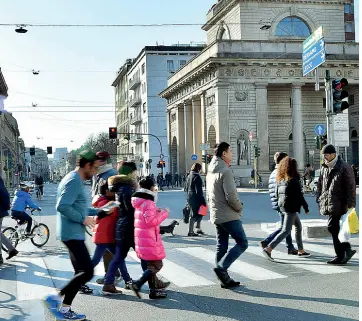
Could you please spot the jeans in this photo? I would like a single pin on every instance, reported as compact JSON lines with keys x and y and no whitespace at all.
{"x":4,"y":240}
{"x":118,"y":262}
{"x":99,"y":252}
{"x":289,"y":220}
{"x":23,"y":217}
{"x":333,"y":228}
{"x":288,"y":239}
{"x":83,"y":269}
{"x":225,"y":258}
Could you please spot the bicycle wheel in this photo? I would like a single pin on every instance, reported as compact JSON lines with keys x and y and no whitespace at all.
{"x":13,"y":236}
{"x":89,"y":231}
{"x":41,"y":235}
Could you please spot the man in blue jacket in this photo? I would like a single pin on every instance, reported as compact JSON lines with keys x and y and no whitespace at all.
{"x":4,"y":207}
{"x":73,"y":215}
{"x":274,"y":200}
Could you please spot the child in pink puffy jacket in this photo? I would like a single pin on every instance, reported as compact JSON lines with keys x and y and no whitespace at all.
{"x":148,"y":242}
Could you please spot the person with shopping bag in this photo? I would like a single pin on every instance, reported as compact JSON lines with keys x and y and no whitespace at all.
{"x":336,"y":194}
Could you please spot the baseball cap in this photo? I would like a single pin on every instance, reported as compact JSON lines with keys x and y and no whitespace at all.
{"x":88,"y":155}
{"x":103,"y":156}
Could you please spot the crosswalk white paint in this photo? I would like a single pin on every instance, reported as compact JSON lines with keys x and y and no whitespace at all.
{"x":177,"y":274}
{"x":247,"y":270}
{"x":325,"y":249}
{"x":301,"y":263}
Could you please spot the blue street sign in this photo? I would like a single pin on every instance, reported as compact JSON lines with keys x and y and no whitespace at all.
{"x":194,"y":157}
{"x":320,"y":130}
{"x":140,"y":165}
{"x":314,"y":53}
{"x":315,"y":62}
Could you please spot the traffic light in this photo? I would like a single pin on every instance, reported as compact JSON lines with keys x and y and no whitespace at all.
{"x":161,"y":164}
{"x":204,"y":158}
{"x":256,"y":151}
{"x":318,"y":142}
{"x":324,"y":141}
{"x":340,"y":95}
{"x":32,"y":151}
{"x":112,"y":132}
{"x":49,"y":150}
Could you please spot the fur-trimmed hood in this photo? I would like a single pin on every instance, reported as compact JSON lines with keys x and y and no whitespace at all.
{"x":115,"y":182}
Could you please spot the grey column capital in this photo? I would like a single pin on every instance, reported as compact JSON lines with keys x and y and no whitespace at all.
{"x":297,"y":85}
{"x":261,"y":85}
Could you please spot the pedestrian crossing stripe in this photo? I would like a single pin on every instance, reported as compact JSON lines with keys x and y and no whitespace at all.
{"x":247,"y":270}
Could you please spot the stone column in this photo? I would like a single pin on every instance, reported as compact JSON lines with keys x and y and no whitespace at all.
{"x":197,"y":130}
{"x":262,"y":125}
{"x":180,"y":119}
{"x":189,"y":148}
{"x":222,"y":113}
{"x":169,"y":141}
{"x":297,"y":125}
{"x":203,"y":126}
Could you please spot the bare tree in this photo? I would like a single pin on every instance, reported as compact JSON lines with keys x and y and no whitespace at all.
{"x":101,"y":142}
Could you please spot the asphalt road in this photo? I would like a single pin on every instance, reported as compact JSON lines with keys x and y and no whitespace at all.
{"x":288,"y":289}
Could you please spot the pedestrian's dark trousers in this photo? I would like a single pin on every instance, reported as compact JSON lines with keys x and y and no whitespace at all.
{"x":23,"y":217}
{"x":150,"y":269}
{"x":83,"y":269}
{"x":333,"y":228}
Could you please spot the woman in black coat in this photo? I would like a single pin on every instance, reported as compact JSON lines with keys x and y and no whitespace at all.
{"x":195,"y":198}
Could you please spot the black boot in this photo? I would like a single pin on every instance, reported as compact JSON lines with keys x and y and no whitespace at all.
{"x":349,"y":254}
{"x":222,"y":275}
{"x":12,"y":254}
{"x":157,"y":294}
{"x":1,"y":260}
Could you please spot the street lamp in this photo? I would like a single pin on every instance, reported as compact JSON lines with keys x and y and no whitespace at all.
{"x":21,"y":29}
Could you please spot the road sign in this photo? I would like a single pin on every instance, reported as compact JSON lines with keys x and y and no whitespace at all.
{"x":205,"y":146}
{"x":140,"y":165}
{"x":320,"y":130}
{"x":194,"y":157}
{"x":314,"y":53}
{"x":341,"y":129}
{"x":251,"y":136}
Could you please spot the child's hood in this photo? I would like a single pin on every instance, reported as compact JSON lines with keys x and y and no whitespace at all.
{"x":99,"y":201}
{"x":22,"y":194}
{"x":141,"y":196}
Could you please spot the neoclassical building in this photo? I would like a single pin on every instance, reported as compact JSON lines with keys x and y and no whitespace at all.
{"x":248,"y":82}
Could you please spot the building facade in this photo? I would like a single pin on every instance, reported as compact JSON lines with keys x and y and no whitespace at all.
{"x":147,"y":111}
{"x":122,"y":112}
{"x":246,"y":87}
{"x":39,"y":164}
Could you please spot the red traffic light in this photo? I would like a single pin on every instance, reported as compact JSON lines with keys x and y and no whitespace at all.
{"x":112,"y":132}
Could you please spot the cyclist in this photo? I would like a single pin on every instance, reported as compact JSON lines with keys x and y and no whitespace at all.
{"x":21,"y":201}
{"x":39,"y":182}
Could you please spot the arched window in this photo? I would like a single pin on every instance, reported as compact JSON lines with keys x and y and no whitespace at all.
{"x":292,"y":27}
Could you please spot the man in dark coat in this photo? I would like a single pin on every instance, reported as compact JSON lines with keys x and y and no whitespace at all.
{"x":336,"y":193}
{"x":4,"y":207}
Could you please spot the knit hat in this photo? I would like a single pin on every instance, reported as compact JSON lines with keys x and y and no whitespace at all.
{"x":127,"y":168}
{"x":104,"y":156}
{"x":329,"y":149}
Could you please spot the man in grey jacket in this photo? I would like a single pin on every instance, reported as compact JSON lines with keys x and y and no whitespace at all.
{"x":225,"y":213}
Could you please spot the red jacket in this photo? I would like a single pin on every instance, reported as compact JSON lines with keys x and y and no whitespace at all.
{"x":104,"y":230}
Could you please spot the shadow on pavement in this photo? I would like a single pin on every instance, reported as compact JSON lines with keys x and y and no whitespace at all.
{"x":17,"y":313}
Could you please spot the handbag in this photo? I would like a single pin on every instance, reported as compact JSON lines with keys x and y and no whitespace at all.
{"x":203,"y":210}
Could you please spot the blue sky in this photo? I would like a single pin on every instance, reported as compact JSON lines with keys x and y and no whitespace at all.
{"x":59,"y":52}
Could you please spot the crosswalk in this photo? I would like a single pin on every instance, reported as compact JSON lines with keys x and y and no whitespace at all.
{"x":38,"y":274}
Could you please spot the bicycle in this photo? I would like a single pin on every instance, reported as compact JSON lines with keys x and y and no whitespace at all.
{"x":39,"y":194}
{"x":39,"y":233}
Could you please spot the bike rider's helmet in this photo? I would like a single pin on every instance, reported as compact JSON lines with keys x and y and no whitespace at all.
{"x":25,"y":186}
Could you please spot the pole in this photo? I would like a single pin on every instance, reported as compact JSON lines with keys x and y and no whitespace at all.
{"x":316,"y":80}
{"x":255,"y":169}
{"x":329,"y":108}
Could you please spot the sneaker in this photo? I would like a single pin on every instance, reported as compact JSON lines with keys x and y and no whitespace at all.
{"x":128,"y":285}
{"x":136,"y":289}
{"x":157,"y":294}
{"x":110,"y":289}
{"x":231,"y":284}
{"x":304,"y":254}
{"x":263,"y":244}
{"x":70,"y":315}
{"x":192,"y":234}
{"x":349,"y":255}
{"x":200,"y":232}
{"x":52,"y":302}
{"x":336,"y":261}
{"x":12,"y":253}
{"x":293,"y":252}
{"x":85,"y":289}
{"x":267,"y":255}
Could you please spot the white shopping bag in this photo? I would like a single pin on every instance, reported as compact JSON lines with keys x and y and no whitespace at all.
{"x":344,"y":232}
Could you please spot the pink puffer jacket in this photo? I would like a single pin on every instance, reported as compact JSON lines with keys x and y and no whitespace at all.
{"x":147,"y":220}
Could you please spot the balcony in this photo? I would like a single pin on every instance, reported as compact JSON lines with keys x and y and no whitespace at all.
{"x":135,"y":101}
{"x":137,"y":118}
{"x":136,"y":138}
{"x":134,"y":82}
